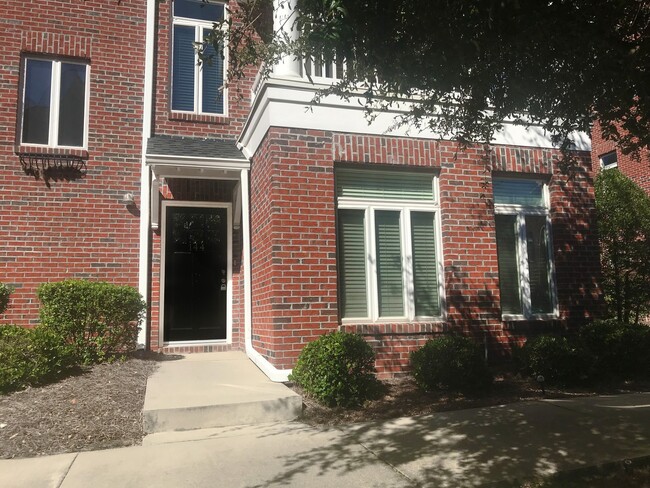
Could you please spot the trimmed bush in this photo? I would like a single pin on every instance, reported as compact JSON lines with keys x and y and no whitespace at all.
{"x":616,"y":349}
{"x":453,"y":363}
{"x":31,"y":357}
{"x":100,"y":320}
{"x":5,"y":292}
{"x":337,"y":369}
{"x":556,"y":359}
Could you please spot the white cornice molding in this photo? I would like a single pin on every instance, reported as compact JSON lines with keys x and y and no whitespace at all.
{"x":288,"y":102}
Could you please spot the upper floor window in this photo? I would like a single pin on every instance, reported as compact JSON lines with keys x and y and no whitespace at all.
{"x":609,"y":160}
{"x":196,"y":87}
{"x":54,"y":103}
{"x":524,"y":248}
{"x":388,"y":246}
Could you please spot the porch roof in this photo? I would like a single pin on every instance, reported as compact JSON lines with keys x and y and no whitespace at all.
{"x":191,"y":157}
{"x":193,"y":147}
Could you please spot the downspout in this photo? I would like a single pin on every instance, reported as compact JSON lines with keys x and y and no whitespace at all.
{"x":145,"y":174}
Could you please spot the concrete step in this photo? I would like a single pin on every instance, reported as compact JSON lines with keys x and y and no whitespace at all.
{"x":210,"y":390}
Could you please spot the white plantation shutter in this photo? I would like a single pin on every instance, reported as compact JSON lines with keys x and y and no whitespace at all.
{"x":389,"y":264}
{"x":520,"y":192}
{"x":506,"y":231}
{"x":386,"y":185}
{"x":352,"y":263}
{"x":425,"y":280}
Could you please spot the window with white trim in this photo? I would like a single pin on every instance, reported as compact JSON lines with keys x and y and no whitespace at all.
{"x":609,"y":160}
{"x":388,"y":246}
{"x":523,"y":230}
{"x":196,"y":87}
{"x":54,"y":103}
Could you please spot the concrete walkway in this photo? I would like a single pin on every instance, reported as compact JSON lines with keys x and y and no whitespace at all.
{"x":453,"y":449}
{"x":214,"y":390}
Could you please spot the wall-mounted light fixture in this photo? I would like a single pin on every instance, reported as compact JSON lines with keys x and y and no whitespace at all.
{"x":128,"y":199}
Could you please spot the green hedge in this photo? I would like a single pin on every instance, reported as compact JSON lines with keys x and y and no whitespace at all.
{"x":559,"y":360}
{"x":337,"y":369}
{"x":98,"y":319}
{"x":616,"y":350}
{"x":602,"y":350}
{"x":453,"y":363}
{"x":31,"y":357}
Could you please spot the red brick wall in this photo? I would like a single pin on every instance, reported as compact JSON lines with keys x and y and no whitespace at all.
{"x":637,"y":168}
{"x":78,"y":228}
{"x":293,"y":208}
{"x":293,"y":243}
{"x":169,"y":123}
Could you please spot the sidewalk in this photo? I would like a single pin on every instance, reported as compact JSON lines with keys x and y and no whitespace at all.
{"x":452,"y":449}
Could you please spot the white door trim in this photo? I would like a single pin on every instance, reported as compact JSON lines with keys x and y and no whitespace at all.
{"x":161,"y":316}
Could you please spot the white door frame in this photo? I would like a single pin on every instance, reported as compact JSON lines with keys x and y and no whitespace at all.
{"x":161,"y":316}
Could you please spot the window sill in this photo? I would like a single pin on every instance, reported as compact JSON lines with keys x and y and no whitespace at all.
{"x":203,"y":118}
{"x":52,"y":151}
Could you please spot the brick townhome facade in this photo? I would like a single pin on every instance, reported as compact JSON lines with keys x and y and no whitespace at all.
{"x":605,"y":154}
{"x":288,"y":223}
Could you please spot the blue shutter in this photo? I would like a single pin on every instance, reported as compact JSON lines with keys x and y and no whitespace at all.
{"x":184,"y":60}
{"x":212,"y":74}
{"x":198,"y":9}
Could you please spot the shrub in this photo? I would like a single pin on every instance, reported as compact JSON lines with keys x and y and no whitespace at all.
{"x":98,"y":319}
{"x":31,"y":357}
{"x":451,"y":362}
{"x":337,"y":369}
{"x":623,"y":211}
{"x":616,"y":349}
{"x":5,"y":292}
{"x":556,"y":359}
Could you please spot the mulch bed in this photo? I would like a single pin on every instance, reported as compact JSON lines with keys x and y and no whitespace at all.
{"x":99,"y":407}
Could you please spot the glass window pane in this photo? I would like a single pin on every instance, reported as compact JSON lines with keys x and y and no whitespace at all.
{"x":184,"y":61}
{"x":391,"y":185}
{"x":538,"y":260}
{"x":424,"y":264}
{"x":212,"y":74}
{"x":199,"y":9}
{"x":352,"y":263}
{"x":36,"y":105}
{"x":520,"y":192}
{"x":506,"y":232}
{"x":72,"y":104}
{"x":389,"y":264}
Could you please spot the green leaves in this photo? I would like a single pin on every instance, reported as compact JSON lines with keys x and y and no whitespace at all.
{"x":98,"y":319}
{"x":451,"y":362}
{"x":468,"y":66}
{"x":5,"y":292}
{"x":624,"y":230}
{"x":337,"y":369}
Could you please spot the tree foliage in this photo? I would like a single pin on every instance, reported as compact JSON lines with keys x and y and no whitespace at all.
{"x":624,"y":228}
{"x":468,"y":65}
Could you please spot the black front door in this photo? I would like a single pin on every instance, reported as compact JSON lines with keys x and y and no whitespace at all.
{"x":196,"y":260}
